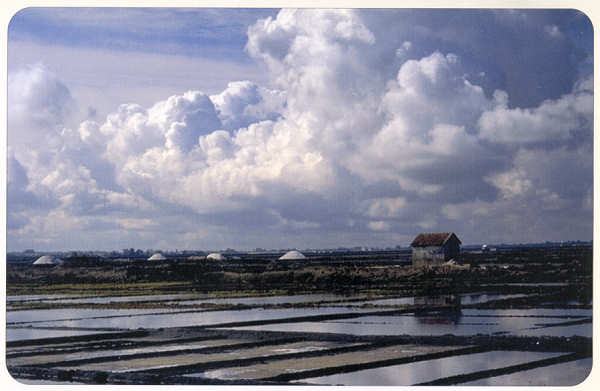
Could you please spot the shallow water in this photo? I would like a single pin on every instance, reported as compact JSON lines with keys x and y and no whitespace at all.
{"x":202,"y":357}
{"x":13,"y":334}
{"x":398,"y":325}
{"x":424,"y":371}
{"x":34,"y":382}
{"x":575,"y":312}
{"x":198,"y":318}
{"x":72,"y":313}
{"x":467,"y":298}
{"x":37,"y":297}
{"x":127,"y":299}
{"x":531,"y":284}
{"x":270,"y":299}
{"x":122,"y":352}
{"x":193,"y":299}
{"x":433,"y":324}
{"x":564,"y":374}
{"x":582,"y":330}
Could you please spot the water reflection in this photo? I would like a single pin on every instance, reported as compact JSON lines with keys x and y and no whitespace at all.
{"x":465,"y":299}
{"x":465,"y":322}
{"x":199,"y":318}
{"x":287,"y":299}
{"x":72,"y":313}
{"x":440,"y":300}
{"x":564,"y":374}
{"x":424,"y":371}
{"x":32,"y":333}
{"x":449,"y":316}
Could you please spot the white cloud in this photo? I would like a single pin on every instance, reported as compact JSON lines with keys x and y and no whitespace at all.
{"x":336,"y":141}
{"x":379,"y":225}
{"x":39,"y":105}
{"x":431,"y":113}
{"x":551,"y":120}
{"x":385,"y":207}
{"x":136,"y":224}
{"x":105,"y":79}
{"x":511,"y":183}
{"x":403,"y":49}
{"x":243,"y":103}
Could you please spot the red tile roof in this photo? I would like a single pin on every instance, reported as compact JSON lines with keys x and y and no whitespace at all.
{"x":432,"y":239}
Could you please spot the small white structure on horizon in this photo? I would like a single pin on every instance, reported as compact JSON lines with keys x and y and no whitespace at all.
{"x":196,"y":257}
{"x":294,"y":254}
{"x":216,"y":257}
{"x":48,"y":260}
{"x":157,"y":257}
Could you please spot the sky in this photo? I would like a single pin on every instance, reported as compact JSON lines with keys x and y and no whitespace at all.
{"x":313,"y":128}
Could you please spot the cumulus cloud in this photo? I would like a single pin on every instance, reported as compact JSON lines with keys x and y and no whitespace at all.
{"x":243,"y":103}
{"x":21,"y":199}
{"x":379,"y":226}
{"x":335,"y":147}
{"x":385,"y":207}
{"x":37,"y":94}
{"x":552,"y":120}
{"x":403,"y":49}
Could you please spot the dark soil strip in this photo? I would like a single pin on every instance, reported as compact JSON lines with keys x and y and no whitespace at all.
{"x":29,"y":327}
{"x":107,"y":317}
{"x":502,"y":342}
{"x":207,"y":350}
{"x":76,"y":338}
{"x":182,"y":369}
{"x":530,"y":301}
{"x":235,"y":324}
{"x":286,"y":377}
{"x":101,"y":377}
{"x":526,"y":316}
{"x":205,"y":303}
{"x":109,"y":345}
{"x":560,"y":324}
{"x":452,"y":380}
{"x":318,"y":318}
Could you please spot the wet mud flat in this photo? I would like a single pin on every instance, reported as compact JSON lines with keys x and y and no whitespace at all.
{"x":497,"y":323}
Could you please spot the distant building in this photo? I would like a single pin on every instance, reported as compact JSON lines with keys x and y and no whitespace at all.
{"x":429,"y":249}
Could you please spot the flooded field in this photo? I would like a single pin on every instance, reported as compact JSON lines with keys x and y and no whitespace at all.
{"x":466,"y":298}
{"x":437,"y":324}
{"x":564,"y":374}
{"x":433,"y":332}
{"x":15,"y":334}
{"x":193,"y":318}
{"x":424,"y":371}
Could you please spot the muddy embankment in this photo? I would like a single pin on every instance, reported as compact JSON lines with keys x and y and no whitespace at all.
{"x":539,"y":265}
